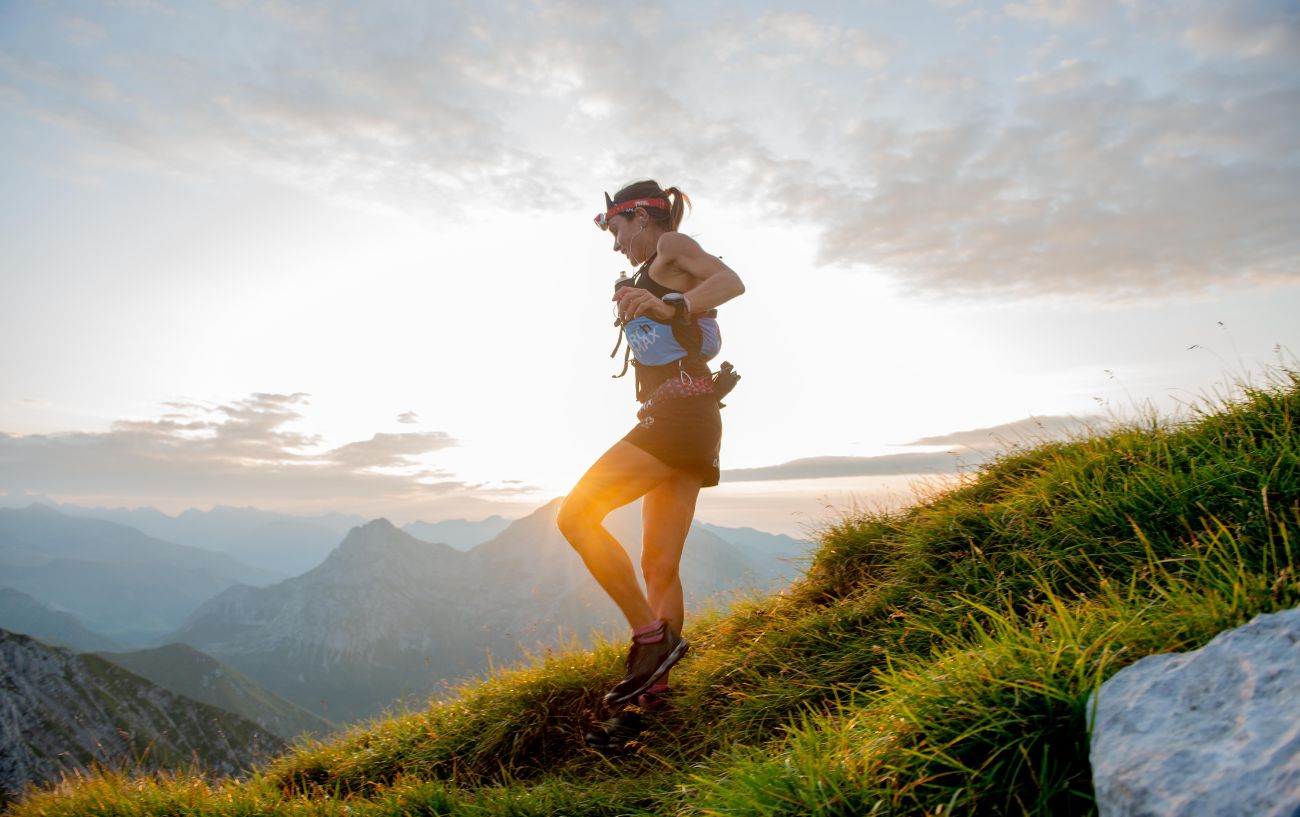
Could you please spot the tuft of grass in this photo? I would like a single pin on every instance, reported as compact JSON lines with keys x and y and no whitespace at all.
{"x":935,"y":660}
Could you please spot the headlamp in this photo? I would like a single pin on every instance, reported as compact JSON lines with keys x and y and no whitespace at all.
{"x":613,"y":208}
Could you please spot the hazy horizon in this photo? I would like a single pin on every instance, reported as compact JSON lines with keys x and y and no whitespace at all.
{"x":791,"y":507}
{"x":793,"y":498}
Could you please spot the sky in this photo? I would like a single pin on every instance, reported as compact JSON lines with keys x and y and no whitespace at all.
{"x":331,"y":256}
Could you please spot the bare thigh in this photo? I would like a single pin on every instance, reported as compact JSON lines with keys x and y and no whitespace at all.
{"x":622,"y":474}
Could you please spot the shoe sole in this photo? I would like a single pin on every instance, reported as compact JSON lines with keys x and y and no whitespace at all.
{"x":665,"y":665}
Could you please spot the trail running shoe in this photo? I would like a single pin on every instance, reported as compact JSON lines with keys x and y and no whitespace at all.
{"x":646,"y":663}
{"x":614,"y":733}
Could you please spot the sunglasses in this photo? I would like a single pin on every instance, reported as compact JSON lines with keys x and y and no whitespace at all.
{"x":613,"y":208}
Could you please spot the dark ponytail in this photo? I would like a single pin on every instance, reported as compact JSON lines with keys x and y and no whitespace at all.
{"x":678,"y":202}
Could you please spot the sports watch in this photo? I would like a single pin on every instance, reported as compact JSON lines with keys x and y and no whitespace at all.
{"x":678,"y":302}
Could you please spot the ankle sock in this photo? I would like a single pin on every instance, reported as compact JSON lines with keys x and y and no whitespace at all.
{"x":653,"y":697}
{"x":650,"y":633}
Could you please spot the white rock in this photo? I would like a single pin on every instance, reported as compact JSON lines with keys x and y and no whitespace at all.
{"x":1209,"y":733}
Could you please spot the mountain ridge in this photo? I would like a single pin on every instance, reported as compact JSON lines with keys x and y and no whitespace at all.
{"x":65,"y":712}
{"x":200,"y":677}
{"x":353,"y":622}
{"x":23,"y":613}
{"x":282,"y":543}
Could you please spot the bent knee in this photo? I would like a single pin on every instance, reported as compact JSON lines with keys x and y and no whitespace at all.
{"x":568,"y":519}
{"x":577,"y":515}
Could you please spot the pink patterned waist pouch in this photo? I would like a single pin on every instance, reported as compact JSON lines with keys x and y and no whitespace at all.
{"x":675,"y":388}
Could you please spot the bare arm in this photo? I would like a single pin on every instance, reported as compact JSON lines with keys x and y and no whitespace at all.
{"x":715,"y":282}
{"x":703,"y":279}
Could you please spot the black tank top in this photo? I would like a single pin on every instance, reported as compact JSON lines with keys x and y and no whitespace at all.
{"x":642,"y":280}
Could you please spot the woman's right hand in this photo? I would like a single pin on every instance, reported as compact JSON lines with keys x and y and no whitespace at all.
{"x":634,"y":302}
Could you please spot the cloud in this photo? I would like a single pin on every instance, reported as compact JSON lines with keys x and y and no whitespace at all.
{"x":243,"y":449}
{"x":81,"y":31}
{"x":1095,"y":188}
{"x":969,"y":447}
{"x":1028,"y":430}
{"x":781,"y":38}
{"x":1156,"y":158}
{"x":1059,"y":12}
{"x":823,"y":467}
{"x":408,"y":418}
{"x":1078,"y":180}
{"x":949,"y":78}
{"x":1257,"y":29}
{"x":312,"y":105}
{"x":390,"y":450}
{"x":1068,"y":75}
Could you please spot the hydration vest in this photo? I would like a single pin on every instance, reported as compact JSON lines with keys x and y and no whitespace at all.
{"x":660,"y":350}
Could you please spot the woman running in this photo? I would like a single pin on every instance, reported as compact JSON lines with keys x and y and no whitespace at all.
{"x":668,"y":318}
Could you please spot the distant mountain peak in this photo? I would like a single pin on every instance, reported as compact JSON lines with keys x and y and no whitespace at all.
{"x":380,"y":543}
{"x":375,"y":533}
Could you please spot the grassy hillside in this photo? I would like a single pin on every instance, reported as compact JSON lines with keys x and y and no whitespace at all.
{"x":935,"y":660}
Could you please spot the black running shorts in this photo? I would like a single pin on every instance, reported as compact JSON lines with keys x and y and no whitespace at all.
{"x":685,"y":433}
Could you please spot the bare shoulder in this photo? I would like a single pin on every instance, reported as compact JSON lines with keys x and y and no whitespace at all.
{"x":683,"y":262}
{"x":674,"y":245}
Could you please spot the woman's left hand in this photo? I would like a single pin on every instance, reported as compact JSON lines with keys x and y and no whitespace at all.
{"x":634,"y":302}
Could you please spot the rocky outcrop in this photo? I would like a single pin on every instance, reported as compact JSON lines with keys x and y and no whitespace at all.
{"x":1215,"y":731}
{"x":61,"y":712}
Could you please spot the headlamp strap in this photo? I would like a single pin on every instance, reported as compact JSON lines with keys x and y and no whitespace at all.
{"x":613,"y":208}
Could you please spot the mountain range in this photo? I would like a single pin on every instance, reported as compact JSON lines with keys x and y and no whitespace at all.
{"x":388,"y":618}
{"x":281,"y":544}
{"x":118,"y":581}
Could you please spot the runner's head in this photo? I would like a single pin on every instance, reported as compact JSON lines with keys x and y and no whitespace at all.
{"x":663,"y":208}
